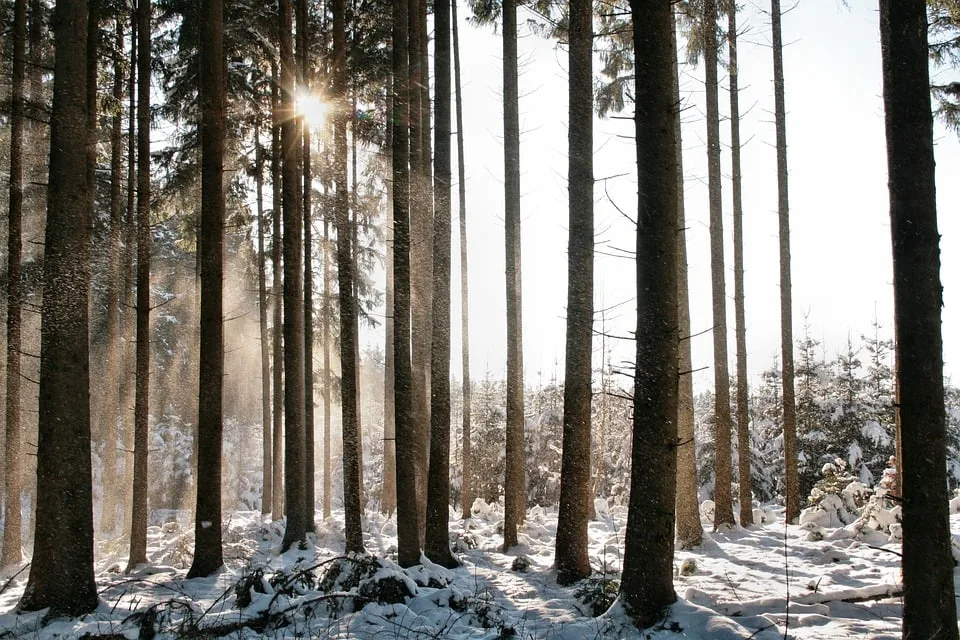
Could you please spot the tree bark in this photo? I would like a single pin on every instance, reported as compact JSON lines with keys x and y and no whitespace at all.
{"x":141,"y":410}
{"x":61,"y":573}
{"x":11,"y":553}
{"x":514,"y":482}
{"x":267,"y":498}
{"x":743,"y":410}
{"x":929,"y":608}
{"x":466,"y":485}
{"x":388,"y":498}
{"x":721,"y":379}
{"x":437,"y":546}
{"x":327,"y":378}
{"x":277,"y":288}
{"x":689,"y":532}
{"x":572,"y":558}
{"x":408,"y":537}
{"x":647,"y":583}
{"x":208,"y":554}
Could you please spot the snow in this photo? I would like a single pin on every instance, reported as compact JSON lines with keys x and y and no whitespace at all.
{"x":767,"y":581}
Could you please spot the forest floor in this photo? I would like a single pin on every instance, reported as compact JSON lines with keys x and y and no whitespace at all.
{"x":767,"y":581}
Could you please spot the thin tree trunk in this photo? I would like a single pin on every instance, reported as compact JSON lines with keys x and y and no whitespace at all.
{"x":388,"y":499}
{"x":61,"y":573}
{"x":437,"y":545}
{"x":93,"y":136}
{"x":355,"y":261}
{"x":743,"y":411}
{"x":929,"y":607}
{"x":267,"y":499}
{"x":408,"y":537}
{"x":647,"y":583}
{"x":11,"y":553}
{"x":293,"y":396}
{"x":721,"y":379}
{"x":572,"y":558}
{"x":786,"y":295}
{"x":327,"y":378}
{"x":277,"y":288}
{"x":466,"y":486}
{"x":130,"y":276}
{"x":303,"y":40}
{"x":141,"y":410}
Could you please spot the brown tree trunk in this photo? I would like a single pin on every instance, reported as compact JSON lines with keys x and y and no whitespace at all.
{"x":208,"y":552}
{"x":345,"y":269}
{"x":721,"y":379}
{"x":929,"y":607}
{"x":514,"y":482}
{"x":303,"y":50}
{"x":327,"y":378}
{"x":647,"y":583}
{"x":278,"y":366}
{"x":129,"y":273}
{"x":355,"y":261}
{"x":388,"y":499}
{"x":293,"y":396}
{"x":466,"y":486}
{"x":437,"y":545}
{"x":267,"y":499}
{"x":141,"y":410}
{"x":572,"y":558}
{"x":11,"y":553}
{"x":61,"y":573}
{"x":408,"y":537}
{"x":786,"y":295}
{"x":689,"y":528}
{"x":743,"y":410}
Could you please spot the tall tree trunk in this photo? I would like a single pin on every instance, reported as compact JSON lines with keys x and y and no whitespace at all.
{"x":267,"y":499}
{"x":355,"y":261}
{"x":721,"y":379}
{"x":11,"y":553}
{"x":141,"y":410}
{"x":110,"y":409}
{"x":61,"y":573}
{"x":303,"y":49}
{"x":327,"y":378}
{"x":929,"y":608}
{"x":208,"y":554}
{"x":293,"y":396}
{"x":572,"y":558}
{"x":129,"y":273}
{"x":689,"y":528}
{"x":647,"y":584}
{"x":466,"y":485}
{"x":437,"y":546}
{"x":348,"y":337}
{"x":743,"y":410}
{"x":514,"y":483}
{"x":98,"y":432}
{"x":276,"y":164}
{"x":408,"y":537}
{"x":388,"y":500}
{"x":786,"y":294}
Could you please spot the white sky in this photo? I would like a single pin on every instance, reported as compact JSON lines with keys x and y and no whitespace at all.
{"x":838,"y":196}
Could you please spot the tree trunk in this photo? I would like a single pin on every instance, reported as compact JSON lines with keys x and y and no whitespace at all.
{"x":327,"y":378}
{"x":466,"y":485}
{"x":437,"y":546}
{"x":408,"y":538}
{"x":355,"y":261}
{"x":141,"y":410}
{"x":129,"y":273}
{"x":647,"y":583}
{"x":267,"y":499}
{"x":276,"y":165}
{"x":572,"y":558}
{"x":310,"y":499}
{"x":347,"y":299}
{"x":293,"y":396}
{"x":721,"y":379}
{"x":689,"y":528}
{"x":61,"y":573}
{"x":786,"y":295}
{"x":514,"y":483}
{"x":98,"y":430}
{"x":208,"y":554}
{"x":743,"y":410}
{"x":929,"y":608}
{"x":388,"y":498}
{"x":11,"y":553}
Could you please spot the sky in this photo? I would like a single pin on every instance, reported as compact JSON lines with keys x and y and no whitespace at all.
{"x":839,"y":215}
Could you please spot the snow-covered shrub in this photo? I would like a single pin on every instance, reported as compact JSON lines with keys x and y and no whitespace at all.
{"x":596,"y":593}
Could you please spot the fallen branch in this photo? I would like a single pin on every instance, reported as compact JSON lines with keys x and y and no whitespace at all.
{"x":865,"y":594}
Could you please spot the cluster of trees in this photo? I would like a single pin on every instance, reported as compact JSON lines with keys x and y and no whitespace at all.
{"x":230,"y":73}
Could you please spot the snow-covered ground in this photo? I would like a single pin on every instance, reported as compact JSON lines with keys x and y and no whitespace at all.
{"x":755,"y":583}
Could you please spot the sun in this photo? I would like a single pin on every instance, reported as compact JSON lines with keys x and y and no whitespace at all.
{"x":314,"y":109}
